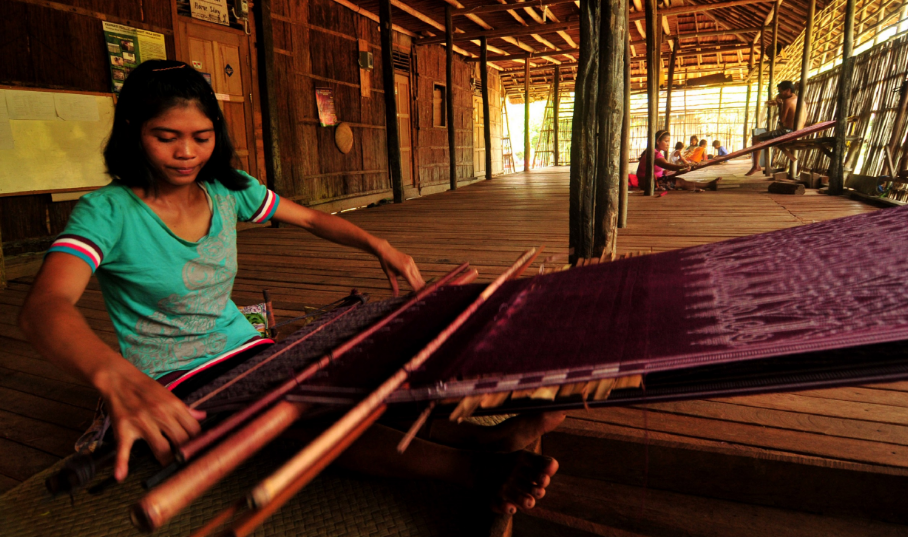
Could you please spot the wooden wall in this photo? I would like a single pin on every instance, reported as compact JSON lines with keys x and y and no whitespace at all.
{"x":432,"y":142}
{"x":60,"y":47}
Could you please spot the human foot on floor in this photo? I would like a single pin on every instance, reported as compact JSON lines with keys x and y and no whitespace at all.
{"x":754,"y":171}
{"x":513,"y":481}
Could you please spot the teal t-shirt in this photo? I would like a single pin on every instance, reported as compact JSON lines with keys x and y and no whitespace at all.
{"x":168,"y":298}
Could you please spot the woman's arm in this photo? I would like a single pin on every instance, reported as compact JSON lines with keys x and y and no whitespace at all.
{"x":664,"y":164}
{"x":139,"y":407}
{"x":340,"y":231}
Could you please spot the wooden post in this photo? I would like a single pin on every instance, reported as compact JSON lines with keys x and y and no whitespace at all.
{"x":270,"y":111}
{"x":582,"y":193}
{"x":526,"y":116}
{"x":770,"y":89}
{"x":669,"y":83}
{"x":757,"y":115}
{"x":805,"y":74}
{"x":610,"y":104}
{"x":391,"y":128}
{"x":719,"y":112}
{"x":625,"y":127}
{"x":486,"y":113}
{"x":555,"y":105}
{"x":747,"y":101}
{"x":837,"y":170}
{"x":449,"y":96}
{"x":652,"y":92}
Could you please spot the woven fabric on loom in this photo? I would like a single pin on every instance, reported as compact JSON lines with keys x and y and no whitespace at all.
{"x":831,"y":285}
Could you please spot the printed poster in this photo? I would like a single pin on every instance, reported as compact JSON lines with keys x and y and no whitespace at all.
{"x":127,"y":47}
{"x":210,"y":10}
{"x":324,"y":98}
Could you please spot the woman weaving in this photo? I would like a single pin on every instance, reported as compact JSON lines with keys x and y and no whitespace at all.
{"x":161,"y":238}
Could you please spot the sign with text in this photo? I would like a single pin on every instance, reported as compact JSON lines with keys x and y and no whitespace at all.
{"x":127,"y":47}
{"x":210,"y":10}
{"x":324,"y":99}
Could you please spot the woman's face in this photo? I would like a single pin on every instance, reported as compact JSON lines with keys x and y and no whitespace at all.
{"x":664,"y":142}
{"x":179,"y":142}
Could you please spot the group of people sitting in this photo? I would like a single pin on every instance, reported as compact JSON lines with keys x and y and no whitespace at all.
{"x":696,"y":151}
{"x":681,"y":160}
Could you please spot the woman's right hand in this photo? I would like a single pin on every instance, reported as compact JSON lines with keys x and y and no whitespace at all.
{"x":141,"y":408}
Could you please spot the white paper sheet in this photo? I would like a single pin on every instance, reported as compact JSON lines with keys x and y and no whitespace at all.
{"x":72,"y":107}
{"x":36,"y":105}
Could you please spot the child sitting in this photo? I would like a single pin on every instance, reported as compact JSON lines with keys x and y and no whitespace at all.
{"x":677,"y":157}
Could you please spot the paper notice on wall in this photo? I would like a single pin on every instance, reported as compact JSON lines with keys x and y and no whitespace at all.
{"x":72,"y":107}
{"x":35,"y":105}
{"x":6,"y":136}
{"x":127,"y":47}
{"x":324,"y":100}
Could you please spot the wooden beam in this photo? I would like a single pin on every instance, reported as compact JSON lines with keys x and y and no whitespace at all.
{"x":768,"y":170}
{"x":528,"y":55}
{"x":698,"y":8}
{"x":269,"y":99}
{"x":843,"y":106}
{"x":805,"y":74}
{"x":486,"y":113}
{"x":738,"y":31}
{"x":505,"y":32}
{"x":668,"y":86}
{"x":612,"y":45}
{"x":652,"y":89}
{"x":757,"y":115}
{"x":556,"y":102}
{"x":497,"y":8}
{"x":449,"y":96}
{"x":526,"y":117}
{"x":624,"y":163}
{"x":747,"y":101}
{"x":391,"y":128}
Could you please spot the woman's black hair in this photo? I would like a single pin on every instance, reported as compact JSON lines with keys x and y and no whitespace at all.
{"x":151,"y":89}
{"x":679,"y":145}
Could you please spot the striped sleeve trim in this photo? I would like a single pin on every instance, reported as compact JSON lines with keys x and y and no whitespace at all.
{"x":79,"y":247}
{"x":266,"y":209}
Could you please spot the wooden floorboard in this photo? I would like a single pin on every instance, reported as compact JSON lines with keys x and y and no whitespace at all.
{"x":489,"y":224}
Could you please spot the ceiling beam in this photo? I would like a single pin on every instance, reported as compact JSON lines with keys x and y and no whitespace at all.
{"x":528,"y":55}
{"x":509,"y":32}
{"x":698,"y":8}
{"x":736,"y":31}
{"x":496,"y":8}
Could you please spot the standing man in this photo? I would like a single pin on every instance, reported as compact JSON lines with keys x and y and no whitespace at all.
{"x":787,"y":102}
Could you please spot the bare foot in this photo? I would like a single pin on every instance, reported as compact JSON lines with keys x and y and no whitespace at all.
{"x":514,"y":480}
{"x":510,"y":435}
{"x":754,"y":171}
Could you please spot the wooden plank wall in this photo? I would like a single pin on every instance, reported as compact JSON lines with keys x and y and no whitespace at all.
{"x":62,"y":48}
{"x":431,"y":143}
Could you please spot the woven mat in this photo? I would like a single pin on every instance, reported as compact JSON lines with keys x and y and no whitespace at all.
{"x":335,"y":504}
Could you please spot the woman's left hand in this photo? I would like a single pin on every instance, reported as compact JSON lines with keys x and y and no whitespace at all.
{"x":396,"y":263}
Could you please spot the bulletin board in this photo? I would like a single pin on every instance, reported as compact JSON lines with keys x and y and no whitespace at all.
{"x":52,"y":141}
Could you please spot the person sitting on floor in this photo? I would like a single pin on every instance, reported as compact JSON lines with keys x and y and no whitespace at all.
{"x":161,"y":239}
{"x":787,"y":102}
{"x":677,"y":157}
{"x":694,"y":144}
{"x":698,"y":155}
{"x":663,"y":139}
{"x":720,"y":151}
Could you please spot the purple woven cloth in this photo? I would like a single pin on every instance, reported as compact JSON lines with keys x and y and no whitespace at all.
{"x":830,"y":285}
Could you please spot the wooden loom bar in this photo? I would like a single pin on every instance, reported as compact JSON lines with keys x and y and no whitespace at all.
{"x":345,"y":427}
{"x":486,"y":113}
{"x":391,"y":127}
{"x":157,"y":507}
{"x":652,"y":91}
{"x":837,"y":170}
{"x":449,"y":98}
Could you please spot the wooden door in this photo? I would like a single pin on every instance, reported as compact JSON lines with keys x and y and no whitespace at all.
{"x":479,"y":139}
{"x":224,"y":54}
{"x":402,"y":91}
